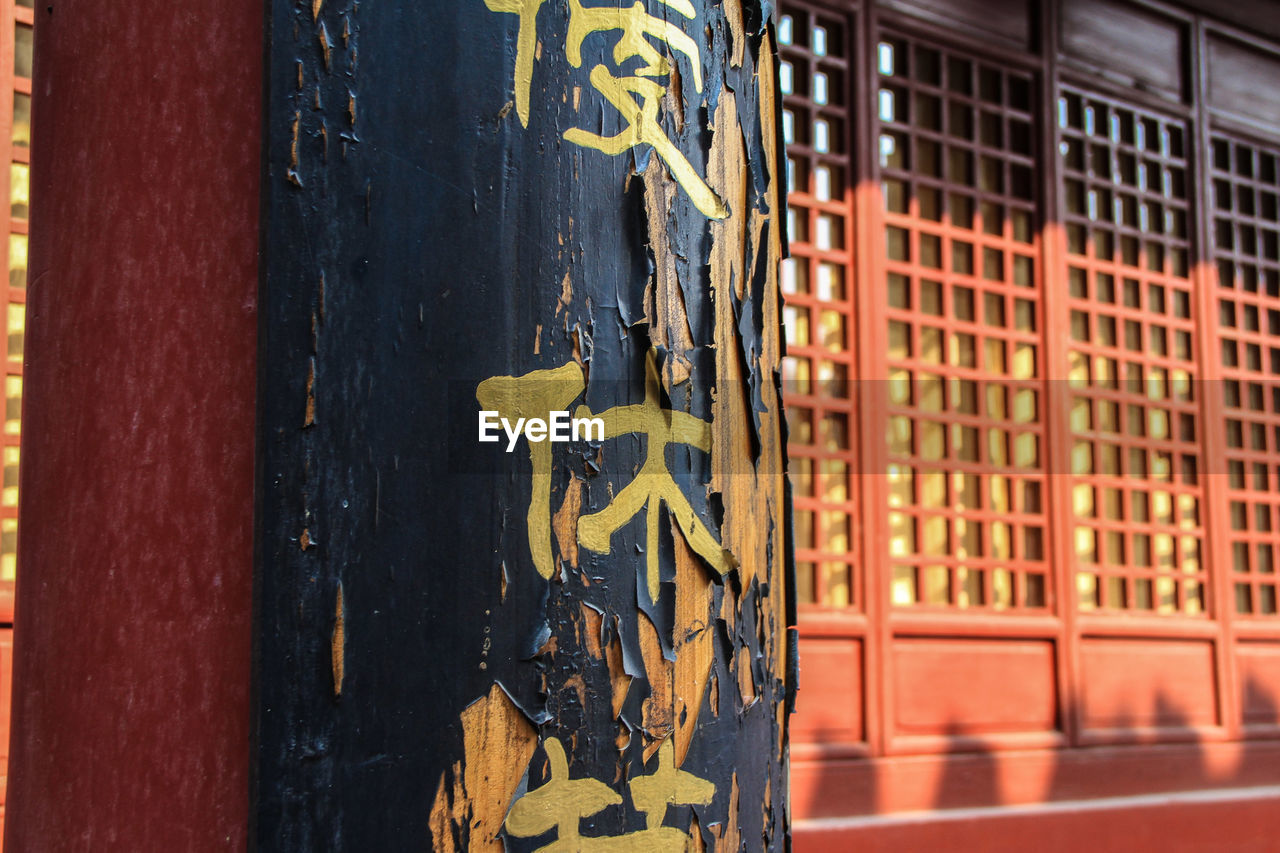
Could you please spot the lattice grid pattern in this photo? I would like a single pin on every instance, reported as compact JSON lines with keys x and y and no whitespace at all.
{"x":18,"y":146}
{"x":1247,"y":250}
{"x":817,"y":282}
{"x":967,"y":515}
{"x":1135,"y":457}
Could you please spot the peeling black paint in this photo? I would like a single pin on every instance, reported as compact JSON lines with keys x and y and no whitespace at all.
{"x":414,"y":247}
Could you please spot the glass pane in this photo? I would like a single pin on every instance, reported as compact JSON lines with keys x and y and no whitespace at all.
{"x":17,"y":260}
{"x":21,"y":119}
{"x":22,"y":46}
{"x":19,"y":190}
{"x":12,"y":405}
{"x":8,"y":549}
{"x":16,"y":328}
{"x":9,"y":495}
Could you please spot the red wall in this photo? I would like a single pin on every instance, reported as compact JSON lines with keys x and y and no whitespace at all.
{"x":133,"y":612}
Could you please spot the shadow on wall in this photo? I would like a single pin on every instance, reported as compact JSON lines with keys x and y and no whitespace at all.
{"x":1161,"y":749}
{"x":962,"y":796}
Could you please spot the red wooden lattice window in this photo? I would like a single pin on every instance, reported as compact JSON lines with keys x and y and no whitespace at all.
{"x":16,"y":34}
{"x":965,"y":364}
{"x":1246,"y":189}
{"x":818,"y":374}
{"x":15,"y":124}
{"x":1134,"y":399}
{"x":1050,"y":245}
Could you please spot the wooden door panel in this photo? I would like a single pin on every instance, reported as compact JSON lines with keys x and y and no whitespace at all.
{"x":1234,"y":70}
{"x":1008,"y":20}
{"x":951,"y":686}
{"x":1259,"y":664}
{"x":829,"y":710}
{"x":1142,"y":683}
{"x":1135,"y":45}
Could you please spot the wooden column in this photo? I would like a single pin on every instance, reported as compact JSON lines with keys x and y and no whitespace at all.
{"x":521,"y":207}
{"x":132,"y":689}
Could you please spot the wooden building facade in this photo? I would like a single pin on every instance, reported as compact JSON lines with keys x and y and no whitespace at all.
{"x":1033,"y":320}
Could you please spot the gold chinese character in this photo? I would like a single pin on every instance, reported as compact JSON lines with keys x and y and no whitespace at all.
{"x":668,"y":786}
{"x":635,"y":97}
{"x":643,"y":127}
{"x":562,"y":803}
{"x":635,"y":24}
{"x":653,"y":486}
{"x":534,"y":395}
{"x":526,"y":46}
{"x":540,"y":392}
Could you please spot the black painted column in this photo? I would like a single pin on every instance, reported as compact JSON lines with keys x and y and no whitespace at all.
{"x":521,"y":207}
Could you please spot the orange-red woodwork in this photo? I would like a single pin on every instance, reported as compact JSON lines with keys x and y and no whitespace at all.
{"x":16,"y":59}
{"x":1055,"y":263}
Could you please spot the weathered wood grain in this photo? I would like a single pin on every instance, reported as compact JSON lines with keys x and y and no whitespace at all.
{"x":452,"y":199}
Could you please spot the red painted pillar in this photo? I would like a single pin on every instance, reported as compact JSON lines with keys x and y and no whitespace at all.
{"x":132,"y":671}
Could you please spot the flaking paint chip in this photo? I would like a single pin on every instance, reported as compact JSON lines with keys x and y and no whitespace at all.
{"x":325,"y":44}
{"x":338,"y":643}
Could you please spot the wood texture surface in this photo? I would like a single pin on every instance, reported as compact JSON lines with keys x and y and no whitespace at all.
{"x":463,"y":211}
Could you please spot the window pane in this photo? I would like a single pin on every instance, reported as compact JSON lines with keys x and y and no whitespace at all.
{"x":21,"y":119}
{"x":1141,"y":536}
{"x":17,"y":260}
{"x":966,"y":374}
{"x":22,"y":46}
{"x":19,"y":190}
{"x":818,"y":307}
{"x":1247,"y":250}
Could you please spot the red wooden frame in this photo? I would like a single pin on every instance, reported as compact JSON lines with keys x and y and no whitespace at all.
{"x":967,"y":490}
{"x":1139,"y":640}
{"x":15,"y":136}
{"x":822,"y":411}
{"x":1246,"y":219}
{"x":1132,"y":374}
